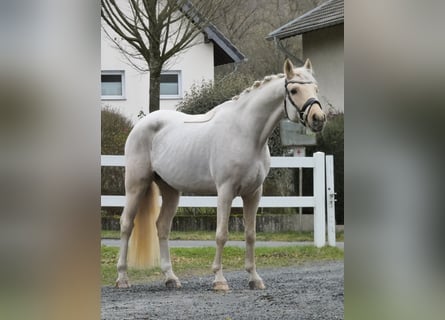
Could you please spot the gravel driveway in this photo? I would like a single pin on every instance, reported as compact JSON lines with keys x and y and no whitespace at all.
{"x":309,"y":291}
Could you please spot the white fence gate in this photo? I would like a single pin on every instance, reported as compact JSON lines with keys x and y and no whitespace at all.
{"x":322,"y":200}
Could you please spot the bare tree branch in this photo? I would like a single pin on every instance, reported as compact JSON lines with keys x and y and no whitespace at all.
{"x":155,"y":31}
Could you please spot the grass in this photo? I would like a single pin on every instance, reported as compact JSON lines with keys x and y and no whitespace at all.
{"x":109,"y":234}
{"x":197,"y":261}
{"x":210,"y":235}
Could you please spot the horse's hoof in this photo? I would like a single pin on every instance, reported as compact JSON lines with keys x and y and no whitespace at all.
{"x":258,"y":284}
{"x":122,"y":284}
{"x":173,"y":284}
{"x":220,"y":286}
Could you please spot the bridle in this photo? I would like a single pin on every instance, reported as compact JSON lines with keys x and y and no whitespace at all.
{"x":304,"y":111}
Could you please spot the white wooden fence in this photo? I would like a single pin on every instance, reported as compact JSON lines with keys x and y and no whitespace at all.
{"x":322,"y":200}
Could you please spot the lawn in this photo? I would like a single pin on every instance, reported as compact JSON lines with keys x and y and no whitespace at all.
{"x":197,"y":261}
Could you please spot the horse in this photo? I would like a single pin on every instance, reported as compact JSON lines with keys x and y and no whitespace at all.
{"x":223,"y":151}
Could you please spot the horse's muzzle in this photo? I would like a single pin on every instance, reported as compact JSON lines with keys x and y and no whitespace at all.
{"x":317,"y":122}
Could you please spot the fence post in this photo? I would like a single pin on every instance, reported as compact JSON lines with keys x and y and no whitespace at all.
{"x":330,"y":199}
{"x":320,"y":200}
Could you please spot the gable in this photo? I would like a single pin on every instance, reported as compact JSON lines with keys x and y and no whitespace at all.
{"x":224,"y":50}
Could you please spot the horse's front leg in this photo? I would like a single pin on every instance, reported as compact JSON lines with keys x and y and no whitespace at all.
{"x":225,"y":198}
{"x":250,"y":206}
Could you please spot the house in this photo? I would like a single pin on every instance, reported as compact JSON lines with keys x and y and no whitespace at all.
{"x":323,"y":43}
{"x":127,"y":89}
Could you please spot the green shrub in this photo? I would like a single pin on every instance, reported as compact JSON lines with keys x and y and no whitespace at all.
{"x":114,"y":132}
{"x":331,"y":142}
{"x":203,"y":97}
{"x":115,"y":128}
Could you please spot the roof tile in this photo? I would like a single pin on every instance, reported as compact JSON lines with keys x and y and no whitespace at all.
{"x":327,"y":14}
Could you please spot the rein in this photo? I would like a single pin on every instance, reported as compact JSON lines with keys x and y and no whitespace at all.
{"x":306,"y":106}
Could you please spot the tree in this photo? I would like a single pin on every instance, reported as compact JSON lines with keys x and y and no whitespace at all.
{"x":247,"y":24}
{"x":154,"y":31}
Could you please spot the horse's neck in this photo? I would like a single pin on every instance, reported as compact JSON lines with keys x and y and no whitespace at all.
{"x":263,"y":110}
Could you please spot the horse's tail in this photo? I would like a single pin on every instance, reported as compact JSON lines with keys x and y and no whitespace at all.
{"x":143,"y":249}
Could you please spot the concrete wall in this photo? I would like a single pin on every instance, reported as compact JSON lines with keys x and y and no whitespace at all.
{"x":325,"y":49}
{"x":265,"y":223}
{"x":195,"y":64}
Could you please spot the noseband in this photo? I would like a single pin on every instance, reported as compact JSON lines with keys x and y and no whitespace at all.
{"x":306,"y":106}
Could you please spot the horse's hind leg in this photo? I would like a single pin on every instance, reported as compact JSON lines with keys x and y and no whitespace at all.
{"x":133,"y":198}
{"x":170,"y":199}
{"x":250,"y":204}
{"x":137,"y":180}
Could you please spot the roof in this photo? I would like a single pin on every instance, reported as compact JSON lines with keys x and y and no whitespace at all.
{"x":329,"y":13}
{"x":224,"y":50}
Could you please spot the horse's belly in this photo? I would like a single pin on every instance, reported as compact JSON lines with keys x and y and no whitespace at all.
{"x":189,"y":181}
{"x":183,"y":164}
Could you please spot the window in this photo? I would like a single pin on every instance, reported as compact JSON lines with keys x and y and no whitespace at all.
{"x":171,"y":85}
{"x":112,"y":85}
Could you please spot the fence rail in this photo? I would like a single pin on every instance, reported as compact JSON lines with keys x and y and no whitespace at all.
{"x":322,"y":200}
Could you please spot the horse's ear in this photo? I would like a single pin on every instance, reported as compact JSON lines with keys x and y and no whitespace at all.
{"x":288,"y":69}
{"x":308,"y":64}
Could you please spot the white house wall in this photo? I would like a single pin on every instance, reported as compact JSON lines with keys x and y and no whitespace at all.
{"x":325,"y":49}
{"x":195,"y":65}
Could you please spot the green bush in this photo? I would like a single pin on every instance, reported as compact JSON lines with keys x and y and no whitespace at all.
{"x":207,"y":95}
{"x":114,"y":132}
{"x":331,"y":142}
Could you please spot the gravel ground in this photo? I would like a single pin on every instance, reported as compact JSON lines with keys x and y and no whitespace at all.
{"x":309,"y":291}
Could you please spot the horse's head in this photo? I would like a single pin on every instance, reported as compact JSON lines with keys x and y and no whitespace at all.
{"x":301,"y":91}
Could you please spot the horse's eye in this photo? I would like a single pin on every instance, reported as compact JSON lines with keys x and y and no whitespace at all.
{"x":293,"y":91}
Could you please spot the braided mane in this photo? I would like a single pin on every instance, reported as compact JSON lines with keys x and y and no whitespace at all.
{"x":258,"y":84}
{"x":302,"y":73}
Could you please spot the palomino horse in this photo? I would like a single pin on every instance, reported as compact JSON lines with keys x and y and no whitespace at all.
{"x":223,"y":151}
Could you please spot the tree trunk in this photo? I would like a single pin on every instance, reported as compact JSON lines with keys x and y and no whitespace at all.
{"x":155,"y":83}
{"x":154,"y":56}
